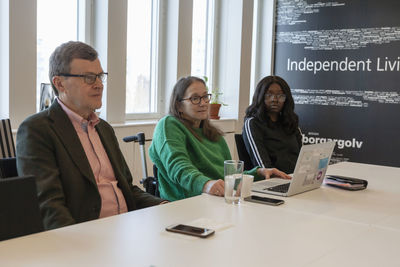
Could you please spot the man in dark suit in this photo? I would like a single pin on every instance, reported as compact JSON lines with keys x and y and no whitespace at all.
{"x":80,"y":171}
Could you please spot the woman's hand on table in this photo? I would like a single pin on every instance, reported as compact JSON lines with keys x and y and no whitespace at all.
{"x":214,"y":187}
{"x":269,"y":173}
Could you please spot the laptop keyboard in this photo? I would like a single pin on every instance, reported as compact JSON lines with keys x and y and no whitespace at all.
{"x":282,"y":188}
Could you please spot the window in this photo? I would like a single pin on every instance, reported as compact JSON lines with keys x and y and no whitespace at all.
{"x":202,"y":31}
{"x":142,"y":28}
{"x":53,"y":29}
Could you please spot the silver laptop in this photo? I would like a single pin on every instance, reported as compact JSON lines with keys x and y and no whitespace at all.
{"x":309,"y":172}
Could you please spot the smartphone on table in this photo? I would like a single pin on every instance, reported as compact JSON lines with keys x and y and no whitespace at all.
{"x":265,"y":200}
{"x":190,"y":230}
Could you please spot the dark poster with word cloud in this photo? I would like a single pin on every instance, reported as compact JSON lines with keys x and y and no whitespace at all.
{"x":342,"y":62}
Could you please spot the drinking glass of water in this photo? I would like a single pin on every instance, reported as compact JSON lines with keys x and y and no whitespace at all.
{"x":233,"y":171}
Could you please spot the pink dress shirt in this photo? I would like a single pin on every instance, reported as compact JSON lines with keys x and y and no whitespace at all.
{"x":112,"y":199}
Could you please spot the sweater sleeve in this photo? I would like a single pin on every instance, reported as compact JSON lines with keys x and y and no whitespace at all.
{"x":169,"y":143}
{"x":254,"y":142}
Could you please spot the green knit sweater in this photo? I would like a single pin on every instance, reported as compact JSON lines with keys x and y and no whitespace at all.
{"x":184,"y":163}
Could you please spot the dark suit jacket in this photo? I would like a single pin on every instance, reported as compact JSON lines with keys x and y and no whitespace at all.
{"x":49,"y":148}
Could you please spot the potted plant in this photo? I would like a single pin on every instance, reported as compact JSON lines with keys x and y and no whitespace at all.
{"x":215,"y":103}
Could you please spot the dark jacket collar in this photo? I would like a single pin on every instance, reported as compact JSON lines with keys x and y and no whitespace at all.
{"x":63,"y":127}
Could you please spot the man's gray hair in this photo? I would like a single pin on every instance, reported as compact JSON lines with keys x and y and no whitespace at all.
{"x":62,"y":57}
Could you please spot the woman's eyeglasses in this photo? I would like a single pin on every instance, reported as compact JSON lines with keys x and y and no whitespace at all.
{"x":270,"y":97}
{"x":197,"y":99}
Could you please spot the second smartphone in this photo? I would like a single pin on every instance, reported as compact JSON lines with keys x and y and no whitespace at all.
{"x":265,"y":200}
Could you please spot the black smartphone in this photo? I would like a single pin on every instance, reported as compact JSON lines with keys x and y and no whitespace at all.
{"x":190,"y":230}
{"x":265,"y":200}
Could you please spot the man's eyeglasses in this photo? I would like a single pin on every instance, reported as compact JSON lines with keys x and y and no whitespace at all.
{"x":88,"y":78}
{"x":197,"y":99}
{"x":270,"y":97}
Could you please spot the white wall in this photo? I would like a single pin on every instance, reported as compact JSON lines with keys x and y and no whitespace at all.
{"x":22,"y":59}
{"x":4,"y":56}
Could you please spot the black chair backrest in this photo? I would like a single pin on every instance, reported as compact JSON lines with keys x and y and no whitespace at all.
{"x":7,"y":148}
{"x":19,"y":207}
{"x":8,"y":167}
{"x":154,"y":182}
{"x":150,"y":183}
{"x":242,"y":152}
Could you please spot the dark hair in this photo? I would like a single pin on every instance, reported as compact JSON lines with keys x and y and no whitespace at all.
{"x":210,"y":132}
{"x":287,"y":117}
{"x":63,"y":55}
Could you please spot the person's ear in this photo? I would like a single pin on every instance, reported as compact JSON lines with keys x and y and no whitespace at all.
{"x":179,"y":107}
{"x":58,"y":83}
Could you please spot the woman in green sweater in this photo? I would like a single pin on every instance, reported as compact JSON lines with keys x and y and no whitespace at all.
{"x":188,"y":150}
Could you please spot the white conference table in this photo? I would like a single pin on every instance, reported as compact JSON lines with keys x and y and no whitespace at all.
{"x":323,"y":227}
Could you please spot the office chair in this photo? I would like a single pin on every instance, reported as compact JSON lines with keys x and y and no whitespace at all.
{"x":150,"y":183}
{"x":8,"y":162}
{"x":153,"y":182}
{"x":242,"y":152}
{"x":7,"y":148}
{"x":8,"y":167}
{"x":19,"y":207}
